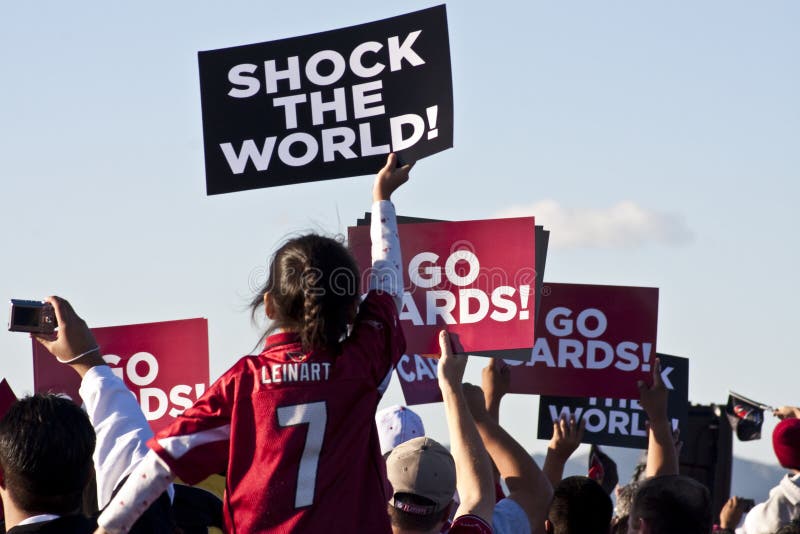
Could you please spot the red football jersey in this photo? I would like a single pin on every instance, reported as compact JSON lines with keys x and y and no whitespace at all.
{"x":296,"y":431}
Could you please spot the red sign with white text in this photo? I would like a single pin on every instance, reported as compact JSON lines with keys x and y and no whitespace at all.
{"x":593,"y":341}
{"x":474,"y":278}
{"x":164,"y":364}
{"x":418,"y":380}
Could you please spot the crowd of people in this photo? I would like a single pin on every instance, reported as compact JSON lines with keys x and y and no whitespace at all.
{"x":309,"y":453}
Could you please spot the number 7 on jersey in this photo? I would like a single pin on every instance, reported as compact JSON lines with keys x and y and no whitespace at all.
{"x":315,"y":415}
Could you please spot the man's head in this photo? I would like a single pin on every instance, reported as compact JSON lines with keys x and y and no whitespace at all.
{"x":625,"y":496}
{"x":423,"y":478}
{"x":46,"y":446}
{"x":579,"y":506}
{"x":668,"y":504}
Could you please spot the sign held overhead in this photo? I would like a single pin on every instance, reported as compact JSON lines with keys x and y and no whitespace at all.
{"x":326,"y":105}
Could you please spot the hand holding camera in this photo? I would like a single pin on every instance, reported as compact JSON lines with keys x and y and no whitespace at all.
{"x":54,"y":324}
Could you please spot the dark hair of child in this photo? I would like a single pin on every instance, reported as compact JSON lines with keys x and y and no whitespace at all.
{"x":313,"y":289}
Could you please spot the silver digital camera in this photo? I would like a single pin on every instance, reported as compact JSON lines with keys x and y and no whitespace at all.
{"x":32,"y":316}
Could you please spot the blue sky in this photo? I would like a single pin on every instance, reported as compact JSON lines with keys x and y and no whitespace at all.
{"x":662,"y":141}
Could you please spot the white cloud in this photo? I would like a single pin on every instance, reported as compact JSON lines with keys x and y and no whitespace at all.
{"x":623,"y":225}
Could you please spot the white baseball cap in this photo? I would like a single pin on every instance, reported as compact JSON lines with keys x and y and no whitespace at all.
{"x":397,"y":424}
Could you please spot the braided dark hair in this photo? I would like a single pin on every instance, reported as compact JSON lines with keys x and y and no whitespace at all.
{"x":313,"y":287}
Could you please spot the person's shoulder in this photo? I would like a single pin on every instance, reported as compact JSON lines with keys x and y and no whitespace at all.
{"x":379,"y":299}
{"x":244,"y":371}
{"x":244,"y":363}
{"x":378,"y":311}
{"x":790,"y":487}
{"x":768,"y":516}
{"x":73,"y":524}
{"x":509,"y":516}
{"x":509,"y":507}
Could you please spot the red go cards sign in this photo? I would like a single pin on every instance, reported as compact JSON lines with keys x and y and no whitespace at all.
{"x":592,"y":341}
{"x":164,"y":364}
{"x":474,"y":278}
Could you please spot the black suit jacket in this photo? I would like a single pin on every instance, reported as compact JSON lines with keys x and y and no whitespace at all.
{"x":71,"y":524}
{"x":156,"y":520}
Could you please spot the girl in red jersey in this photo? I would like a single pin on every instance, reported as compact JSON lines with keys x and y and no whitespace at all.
{"x":293,"y":427}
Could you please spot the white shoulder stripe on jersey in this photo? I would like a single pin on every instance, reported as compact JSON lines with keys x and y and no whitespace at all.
{"x":177,"y":446}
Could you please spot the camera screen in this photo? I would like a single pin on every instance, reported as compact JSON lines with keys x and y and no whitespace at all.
{"x":25,"y":316}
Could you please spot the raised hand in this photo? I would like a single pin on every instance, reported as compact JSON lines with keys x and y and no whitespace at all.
{"x":786,"y":412}
{"x":732,"y":512}
{"x":475,"y":403}
{"x":72,"y":337}
{"x":496,"y":382}
{"x":654,"y":398}
{"x":451,"y":366}
{"x":567,"y":436}
{"x":72,"y":343}
{"x":389,"y":178}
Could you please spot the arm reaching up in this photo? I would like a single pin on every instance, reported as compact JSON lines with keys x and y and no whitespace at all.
{"x":527,"y":485}
{"x":387,"y":272}
{"x":567,"y":436}
{"x":496,"y":382}
{"x":120,"y":426}
{"x":474,"y":478}
{"x":662,"y":457}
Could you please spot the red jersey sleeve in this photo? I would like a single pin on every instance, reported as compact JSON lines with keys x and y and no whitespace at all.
{"x":377,"y":337}
{"x":196,"y":444}
{"x":470,"y":524}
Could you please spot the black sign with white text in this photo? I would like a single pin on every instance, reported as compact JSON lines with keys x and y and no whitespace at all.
{"x":326,"y":105}
{"x":620,"y":422}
